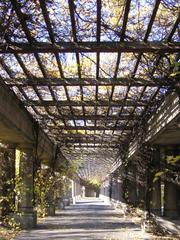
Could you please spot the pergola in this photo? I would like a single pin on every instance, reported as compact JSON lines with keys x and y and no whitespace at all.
{"x":90,"y":72}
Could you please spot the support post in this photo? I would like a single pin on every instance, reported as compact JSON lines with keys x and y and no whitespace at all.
{"x":51,"y":203}
{"x":27,"y":216}
{"x":8,"y":179}
{"x":170,"y":200}
{"x":74,"y":191}
{"x":156,"y":186}
{"x":132,"y":193}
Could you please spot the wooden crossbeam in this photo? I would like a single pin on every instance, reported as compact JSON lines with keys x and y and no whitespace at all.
{"x":156,"y":6}
{"x":125,"y":20}
{"x":85,"y":103}
{"x":147,"y":33}
{"x":84,"y":141}
{"x":165,"y":81}
{"x":100,"y":128}
{"x":101,"y":146}
{"x":89,"y":136}
{"x":93,"y":117}
{"x":65,"y":47}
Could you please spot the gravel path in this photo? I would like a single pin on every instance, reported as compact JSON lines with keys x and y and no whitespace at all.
{"x":88,"y":219}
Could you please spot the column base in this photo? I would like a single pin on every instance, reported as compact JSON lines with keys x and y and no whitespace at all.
{"x":156,"y":212}
{"x":66,"y":202}
{"x":26,"y":220}
{"x":173,"y":213}
{"x":51,"y":210}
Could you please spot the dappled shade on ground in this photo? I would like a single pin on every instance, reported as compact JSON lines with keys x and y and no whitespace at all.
{"x":88,"y":219}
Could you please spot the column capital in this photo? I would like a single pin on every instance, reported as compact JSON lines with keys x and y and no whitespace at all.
{"x":8,"y":145}
{"x":25,"y":145}
{"x":11,"y":145}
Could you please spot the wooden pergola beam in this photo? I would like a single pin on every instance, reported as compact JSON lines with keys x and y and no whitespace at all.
{"x":149,"y":27}
{"x":84,"y":141}
{"x":89,"y":136}
{"x":101,"y":146}
{"x":73,"y":47}
{"x":123,"y":30}
{"x":94,"y":117}
{"x":100,"y":103}
{"x":100,"y":128}
{"x":134,"y":82}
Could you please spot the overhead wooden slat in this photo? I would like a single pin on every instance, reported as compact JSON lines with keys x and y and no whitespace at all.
{"x":156,"y":6}
{"x":85,"y":103}
{"x":6,"y":68}
{"x":149,"y":30}
{"x":89,"y":136}
{"x":92,"y":117}
{"x":86,"y":146}
{"x":98,"y":39}
{"x":125,"y":99}
{"x":89,"y":141}
{"x":65,"y":47}
{"x":136,"y":82}
{"x":174,"y":28}
{"x":52,"y":38}
{"x":122,"y":34}
{"x":22,"y":20}
{"x":74,"y":37}
{"x":100,"y":128}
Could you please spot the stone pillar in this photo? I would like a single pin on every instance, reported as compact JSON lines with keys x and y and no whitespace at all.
{"x":170,"y":200}
{"x":155,"y":205}
{"x":50,"y":192}
{"x":130,"y":184}
{"x":7,"y":169}
{"x":156,"y":198}
{"x":116,"y":190}
{"x":120,"y":191}
{"x":51,"y":203}
{"x":141,"y":196}
{"x":78,"y":190}
{"x":178,"y":189}
{"x":1,"y":180}
{"x":27,"y":216}
{"x":11,"y":149}
{"x":132,"y":192}
{"x":73,"y":192}
{"x":113,"y":190}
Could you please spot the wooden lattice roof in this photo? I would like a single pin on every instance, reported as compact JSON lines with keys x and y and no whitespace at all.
{"x":89,"y":71}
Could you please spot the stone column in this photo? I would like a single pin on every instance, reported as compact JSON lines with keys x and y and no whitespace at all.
{"x":132,"y":192}
{"x":120,"y":191}
{"x":156,"y":198}
{"x":27,"y":216}
{"x":155,"y":205}
{"x":141,"y":196}
{"x":1,"y":179}
{"x":8,"y":178}
{"x":178,"y":190}
{"x":51,"y":203}
{"x":73,"y":192}
{"x":170,"y":200}
{"x":116,"y":190}
{"x":51,"y":196}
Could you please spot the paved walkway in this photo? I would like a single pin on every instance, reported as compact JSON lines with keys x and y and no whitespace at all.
{"x":88,"y":219}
